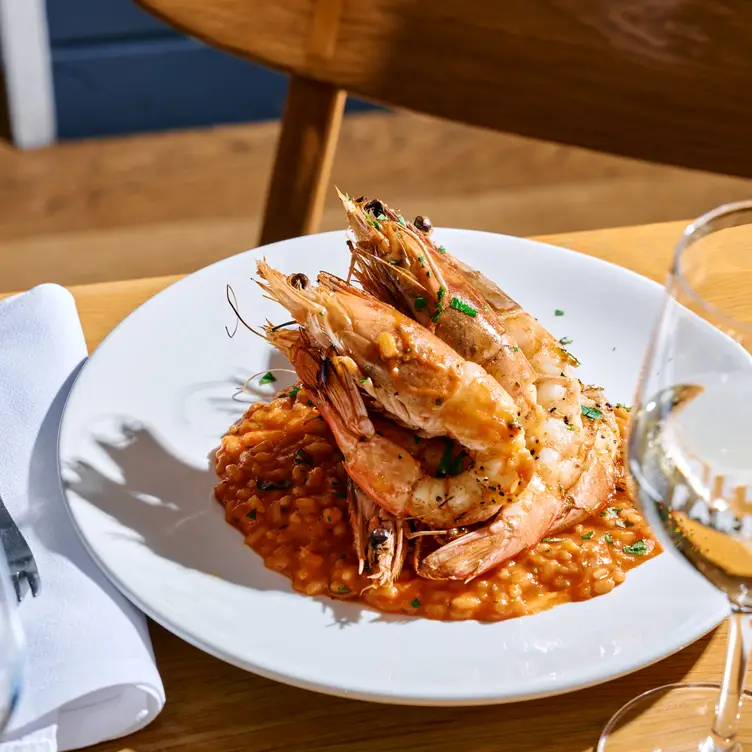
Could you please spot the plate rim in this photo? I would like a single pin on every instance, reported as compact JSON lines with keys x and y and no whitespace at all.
{"x":707,"y":624}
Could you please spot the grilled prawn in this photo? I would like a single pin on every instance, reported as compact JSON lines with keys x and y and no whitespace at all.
{"x":354,"y":344}
{"x":575,"y":456}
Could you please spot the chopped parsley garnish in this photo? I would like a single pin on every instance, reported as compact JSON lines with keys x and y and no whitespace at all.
{"x":552,"y":540}
{"x":591,"y":412}
{"x":607,"y":537}
{"x":269,"y":485}
{"x":293,"y":393}
{"x":415,"y":603}
{"x":566,"y":341}
{"x":570,"y":427}
{"x":302,"y":458}
{"x":611,"y":512}
{"x":449,"y":465}
{"x":442,"y":249}
{"x":439,"y":311}
{"x":401,"y":220}
{"x":639,"y":548}
{"x":420,"y":304}
{"x":381,"y":217}
{"x":624,"y":407}
{"x":343,"y":589}
{"x":421,"y":259}
{"x":252,"y":514}
{"x":516,"y":349}
{"x":267,"y":378}
{"x":440,"y":294}
{"x":309,"y":403}
{"x":558,"y":312}
{"x":458,"y":305}
{"x":588,"y":536}
{"x":363,"y":381}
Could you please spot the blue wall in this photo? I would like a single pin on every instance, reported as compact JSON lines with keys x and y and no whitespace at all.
{"x":117,"y":70}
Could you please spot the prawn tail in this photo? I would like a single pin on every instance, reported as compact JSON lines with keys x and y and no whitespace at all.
{"x":519,"y":525}
{"x":469,"y":556}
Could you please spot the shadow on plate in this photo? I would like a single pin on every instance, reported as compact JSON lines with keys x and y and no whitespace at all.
{"x":231,"y":396}
{"x":168,"y":507}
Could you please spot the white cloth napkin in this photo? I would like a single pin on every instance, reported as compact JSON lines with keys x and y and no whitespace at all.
{"x":90,"y":673}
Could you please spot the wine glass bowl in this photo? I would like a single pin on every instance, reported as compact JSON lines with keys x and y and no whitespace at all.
{"x":689,"y":463}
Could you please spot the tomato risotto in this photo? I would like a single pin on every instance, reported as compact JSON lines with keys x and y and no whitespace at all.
{"x":282,"y":484}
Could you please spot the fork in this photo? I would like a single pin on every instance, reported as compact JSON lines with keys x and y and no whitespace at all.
{"x":23,"y":569}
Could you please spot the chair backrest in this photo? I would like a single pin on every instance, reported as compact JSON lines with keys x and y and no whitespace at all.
{"x":663,"y":80}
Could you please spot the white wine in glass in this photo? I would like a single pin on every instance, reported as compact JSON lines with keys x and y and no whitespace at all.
{"x":689,"y":460}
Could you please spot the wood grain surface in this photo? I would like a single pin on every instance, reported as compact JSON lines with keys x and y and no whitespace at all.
{"x":155,"y":204}
{"x":213,"y":707}
{"x":664,"y":81}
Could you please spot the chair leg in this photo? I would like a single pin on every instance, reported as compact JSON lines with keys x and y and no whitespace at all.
{"x":310,"y":128}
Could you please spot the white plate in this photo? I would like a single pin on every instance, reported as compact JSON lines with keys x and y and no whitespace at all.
{"x":152,"y":402}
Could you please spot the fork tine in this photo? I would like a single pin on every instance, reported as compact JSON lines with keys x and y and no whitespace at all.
{"x":34,"y":582}
{"x":20,"y":559}
{"x":19,"y":585}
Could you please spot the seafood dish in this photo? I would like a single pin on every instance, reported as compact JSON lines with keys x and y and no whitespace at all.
{"x":438,"y":457}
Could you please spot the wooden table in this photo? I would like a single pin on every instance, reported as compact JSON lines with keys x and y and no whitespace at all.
{"x":213,"y":707}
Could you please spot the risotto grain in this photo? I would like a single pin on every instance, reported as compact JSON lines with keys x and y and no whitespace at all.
{"x":282,"y":484}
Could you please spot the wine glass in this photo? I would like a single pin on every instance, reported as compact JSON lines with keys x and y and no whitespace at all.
{"x":689,"y":459}
{"x":11,"y":647}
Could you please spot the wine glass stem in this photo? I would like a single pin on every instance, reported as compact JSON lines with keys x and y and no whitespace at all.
{"x":727,"y":711}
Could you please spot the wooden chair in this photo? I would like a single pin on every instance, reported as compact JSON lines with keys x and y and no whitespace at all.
{"x":661,"y":80}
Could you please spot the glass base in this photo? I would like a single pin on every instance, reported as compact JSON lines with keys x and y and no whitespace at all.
{"x":674,"y":718}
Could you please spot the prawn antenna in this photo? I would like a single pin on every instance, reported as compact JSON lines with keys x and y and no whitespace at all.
{"x":233,"y":301}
